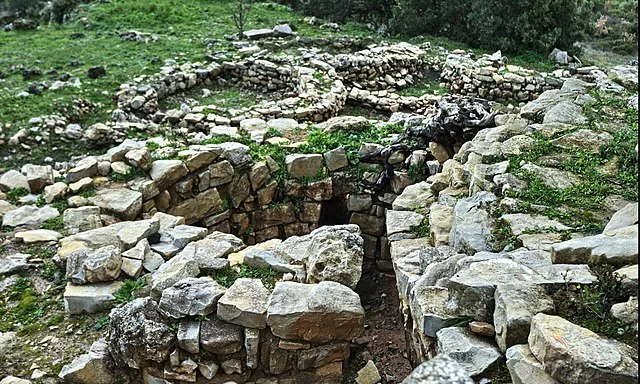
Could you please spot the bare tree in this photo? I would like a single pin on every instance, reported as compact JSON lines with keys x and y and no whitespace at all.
{"x":240,"y":12}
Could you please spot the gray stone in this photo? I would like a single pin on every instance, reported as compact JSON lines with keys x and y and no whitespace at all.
{"x":613,"y":250}
{"x":472,"y":224}
{"x":574,"y":355}
{"x":252,"y":347}
{"x":173,"y":240}
{"x":14,"y":380}
{"x":359,"y":202}
{"x":93,"y":367}
{"x":38,"y":176}
{"x":565,"y":112}
{"x":29,"y":216}
{"x":369,"y":224}
{"x":413,"y":197}
{"x":282,"y":30}
{"x":440,"y":223}
{"x":189,"y":335}
{"x":133,"y":232}
{"x":208,"y":369}
{"x":219,"y":337}
{"x":138,"y":333}
{"x":236,"y":153}
{"x":209,"y":253}
{"x":93,"y":266}
{"x":140,"y":158}
{"x":627,"y":312}
{"x":522,"y":222}
{"x":346,"y":123}
{"x":124,"y":203}
{"x":299,"y":165}
{"x":119,"y":152}
{"x":6,"y":342}
{"x":255,"y":34}
{"x":515,"y":306}
{"x":430,"y":309}
{"x":14,"y":263}
{"x":442,"y":369}
{"x":166,"y":172}
{"x":553,"y":178}
{"x":402,"y":221}
{"x":56,"y":191}
{"x":82,"y":219}
{"x":625,"y":217}
{"x":220,"y":173}
{"x":336,"y":159}
{"x":584,"y":139}
{"x":172,"y":272}
{"x":90,"y":298}
{"x":87,"y":167}
{"x":12,"y":180}
{"x":37,"y":236}
{"x":190,"y":297}
{"x":245,"y":303}
{"x":335,"y":253}
{"x":524,"y":368}
{"x":473,"y":353}
{"x":296,"y":311}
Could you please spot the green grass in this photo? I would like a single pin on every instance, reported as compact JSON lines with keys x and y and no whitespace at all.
{"x":54,"y":224}
{"x":132,"y":173}
{"x":124,"y":294}
{"x":227,"y":276}
{"x":15,"y":194}
{"x":21,"y":308}
{"x":426,"y":86}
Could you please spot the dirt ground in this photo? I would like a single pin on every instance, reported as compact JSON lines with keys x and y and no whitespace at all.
{"x":383,"y":340}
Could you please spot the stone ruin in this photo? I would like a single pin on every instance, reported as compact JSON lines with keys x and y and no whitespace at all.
{"x":213,"y":206}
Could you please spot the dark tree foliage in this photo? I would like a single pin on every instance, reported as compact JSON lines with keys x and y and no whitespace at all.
{"x":513,"y":26}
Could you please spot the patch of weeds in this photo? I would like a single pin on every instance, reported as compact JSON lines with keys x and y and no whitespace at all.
{"x":16,"y":193}
{"x":133,"y":173}
{"x":426,"y":86}
{"x":227,"y":276}
{"x":423,"y":229}
{"x":54,"y":224}
{"x":88,"y":192}
{"x":461,"y":321}
{"x":28,"y":307}
{"x":60,"y":204}
{"x":51,"y":271}
{"x":55,"y":319}
{"x":589,"y":306}
{"x":533,"y":60}
{"x":418,"y":173}
{"x":152,"y":146}
{"x":30,"y":329}
{"x":124,"y":294}
{"x":500,"y":374}
{"x":501,"y":236}
{"x":273,"y":132}
{"x":101,"y":323}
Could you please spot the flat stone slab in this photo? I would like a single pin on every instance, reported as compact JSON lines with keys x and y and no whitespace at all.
{"x":474,"y":353}
{"x":575,"y":355}
{"x":38,"y":236}
{"x":302,"y":311}
{"x":402,"y":221}
{"x":521,"y":222}
{"x":524,"y":368}
{"x":89,"y":298}
{"x":124,"y":203}
{"x":245,"y":303}
{"x":613,"y":250}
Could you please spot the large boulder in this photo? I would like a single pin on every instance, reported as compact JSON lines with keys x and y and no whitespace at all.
{"x":29,"y":216}
{"x":302,"y":311}
{"x":575,"y":355}
{"x":138,"y":333}
{"x":335,"y":253}
{"x":524,"y":368}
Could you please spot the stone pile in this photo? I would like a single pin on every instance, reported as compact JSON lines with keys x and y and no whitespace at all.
{"x":506,"y":296}
{"x":231,"y":333}
{"x":495,"y":80}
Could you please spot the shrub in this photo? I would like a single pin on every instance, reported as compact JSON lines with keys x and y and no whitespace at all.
{"x":513,"y":26}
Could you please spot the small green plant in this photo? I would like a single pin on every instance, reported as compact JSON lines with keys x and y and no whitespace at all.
{"x":125,"y":293}
{"x":60,"y":204}
{"x":423,"y":229}
{"x":16,"y":193}
{"x":88,"y":192}
{"x":101,"y":323}
{"x":502,"y":237}
{"x":227,"y":276}
{"x":133,"y":173}
{"x":54,"y":224}
{"x":152,"y":146}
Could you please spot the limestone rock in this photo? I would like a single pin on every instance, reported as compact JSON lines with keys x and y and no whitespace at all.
{"x":473,"y":353}
{"x":525,"y":368}
{"x":93,"y":367}
{"x":90,"y":298}
{"x":245,"y":303}
{"x":93,"y":266}
{"x":173,"y":240}
{"x":124,"y":203}
{"x":298,"y":311}
{"x":335,"y":253}
{"x":615,"y":250}
{"x":219,"y":337}
{"x":87,"y":167}
{"x":521,"y":222}
{"x":137,"y":333}
{"x":368,"y":374}
{"x":82,"y":218}
{"x":565,"y":112}
{"x":627,"y":312}
{"x":625,"y":217}
{"x":12,"y":180}
{"x":38,"y":176}
{"x":38,"y":235}
{"x":190,"y":297}
{"x":189,"y":335}
{"x":402,"y":221}
{"x":299,"y":165}
{"x":572,"y":354}
{"x":416,"y":196}
{"x":472,"y":225}
{"x":29,"y":216}
{"x":516,"y":304}
{"x":346,"y":123}
{"x":584,"y":139}
{"x":553,"y":178}
{"x":172,"y":272}
{"x":14,"y":263}
{"x":166,"y":172}
{"x":442,"y":369}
